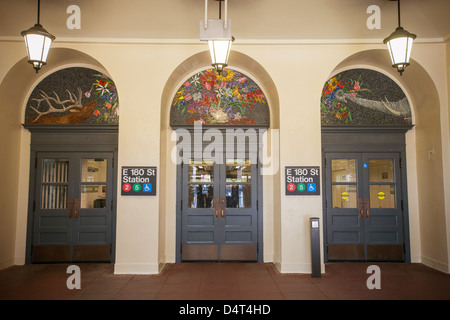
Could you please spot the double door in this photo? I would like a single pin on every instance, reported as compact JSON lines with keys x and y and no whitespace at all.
{"x":219,"y":209}
{"x":72,"y":208}
{"x":364,"y":207}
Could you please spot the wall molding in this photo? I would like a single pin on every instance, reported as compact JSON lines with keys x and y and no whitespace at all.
{"x":437,"y":265}
{"x":237,"y":42}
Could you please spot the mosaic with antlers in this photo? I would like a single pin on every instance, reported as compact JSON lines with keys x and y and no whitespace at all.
{"x":74,"y":96}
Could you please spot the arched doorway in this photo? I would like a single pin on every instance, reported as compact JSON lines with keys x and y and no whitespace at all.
{"x":422,"y":170}
{"x":364,"y":116}
{"x":70,"y":120}
{"x":221,"y":117}
{"x":243,"y":123}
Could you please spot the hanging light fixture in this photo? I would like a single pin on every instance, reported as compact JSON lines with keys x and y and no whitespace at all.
{"x":218,"y":35}
{"x":38,"y":42}
{"x":399,"y":44}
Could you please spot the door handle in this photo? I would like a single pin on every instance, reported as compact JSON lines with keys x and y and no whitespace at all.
{"x":222,"y":207}
{"x":76,"y":208}
{"x":219,"y":207}
{"x":70,"y":207}
{"x":361,"y":208}
{"x":367,"y":206}
{"x":216,"y":207}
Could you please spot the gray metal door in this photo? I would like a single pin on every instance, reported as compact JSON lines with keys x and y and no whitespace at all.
{"x":72,"y":210}
{"x":364,"y":217}
{"x":219,"y":209}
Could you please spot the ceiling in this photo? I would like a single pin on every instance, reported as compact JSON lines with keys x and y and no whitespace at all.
{"x":252,"y":20}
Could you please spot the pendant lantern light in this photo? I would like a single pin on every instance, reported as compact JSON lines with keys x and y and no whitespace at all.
{"x":38,"y":42}
{"x":218,"y":35}
{"x":399,"y":44}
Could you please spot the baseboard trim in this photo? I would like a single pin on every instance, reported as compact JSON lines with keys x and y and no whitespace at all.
{"x":136,"y":268}
{"x":440,"y":266}
{"x":6,"y":263}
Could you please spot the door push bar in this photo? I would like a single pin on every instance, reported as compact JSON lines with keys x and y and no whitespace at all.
{"x":74,"y":208}
{"x":219,"y":207}
{"x":364,"y":205}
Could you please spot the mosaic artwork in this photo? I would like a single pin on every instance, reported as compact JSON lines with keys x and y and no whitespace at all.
{"x":363,"y":97}
{"x":74,"y":96}
{"x":230,"y":98}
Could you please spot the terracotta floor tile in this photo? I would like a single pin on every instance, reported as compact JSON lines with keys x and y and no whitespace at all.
{"x":135,"y":296}
{"x":225,"y":281}
{"x":176,"y":296}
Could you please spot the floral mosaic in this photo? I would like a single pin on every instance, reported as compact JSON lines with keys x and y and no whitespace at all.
{"x":363,"y":97}
{"x":104,"y":91}
{"x":230,"y":98}
{"x":74,"y":96}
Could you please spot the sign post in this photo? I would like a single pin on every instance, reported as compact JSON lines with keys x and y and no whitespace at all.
{"x":315,"y":248}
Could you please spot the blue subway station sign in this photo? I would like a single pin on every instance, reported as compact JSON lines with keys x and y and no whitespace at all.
{"x":302,"y":181}
{"x":138,"y":181}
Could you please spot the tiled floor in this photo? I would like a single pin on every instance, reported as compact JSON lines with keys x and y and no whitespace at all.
{"x":224,"y":281}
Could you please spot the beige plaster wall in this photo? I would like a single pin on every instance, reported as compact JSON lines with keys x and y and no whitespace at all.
{"x":432,"y":153}
{"x":446,"y":146}
{"x":9,"y":153}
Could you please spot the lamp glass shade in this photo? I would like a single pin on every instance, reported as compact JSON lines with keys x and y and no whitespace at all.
{"x":399,"y":44}
{"x":38,"y":42}
{"x":219,"y":50}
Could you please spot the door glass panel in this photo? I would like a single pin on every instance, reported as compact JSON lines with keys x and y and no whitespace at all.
{"x":93,"y":196}
{"x":200,"y":196}
{"x":238,"y":170}
{"x":238,"y":195}
{"x":53,"y":197}
{"x":201,"y":171}
{"x":93,"y":170}
{"x":344,"y":196}
{"x":343,"y":170}
{"x":55,"y":175}
{"x":381,"y":170}
{"x":382,"y":196}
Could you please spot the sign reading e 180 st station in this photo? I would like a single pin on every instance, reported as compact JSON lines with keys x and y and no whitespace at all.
{"x":138,"y":181}
{"x":302,"y":181}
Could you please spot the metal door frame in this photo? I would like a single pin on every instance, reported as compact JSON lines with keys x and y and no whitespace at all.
{"x":77,"y":139}
{"x":77,"y":251}
{"x":367,"y":140}
{"x":364,"y":249}
{"x":259,"y":184}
